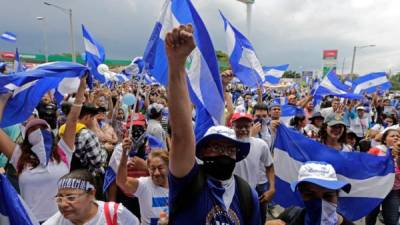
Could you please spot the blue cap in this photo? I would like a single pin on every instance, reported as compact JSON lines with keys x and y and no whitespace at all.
{"x":223,"y":132}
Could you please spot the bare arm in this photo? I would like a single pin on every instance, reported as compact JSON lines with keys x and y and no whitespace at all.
{"x":7,"y":145}
{"x":127,"y":184}
{"x":72,"y":119}
{"x":179,"y":44}
{"x":302,"y":103}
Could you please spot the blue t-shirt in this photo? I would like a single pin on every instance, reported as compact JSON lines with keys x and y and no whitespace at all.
{"x":205,"y":208}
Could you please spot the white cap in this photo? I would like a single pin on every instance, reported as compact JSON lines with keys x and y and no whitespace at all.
{"x":321,"y":174}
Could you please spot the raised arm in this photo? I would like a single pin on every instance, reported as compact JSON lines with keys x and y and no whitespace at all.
{"x":127,"y":184}
{"x":179,"y":45}
{"x":7,"y":145}
{"x":72,"y":119}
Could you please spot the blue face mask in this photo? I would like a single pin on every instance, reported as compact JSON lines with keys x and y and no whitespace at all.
{"x":320,"y":212}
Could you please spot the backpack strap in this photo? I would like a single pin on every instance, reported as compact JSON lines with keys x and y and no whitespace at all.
{"x":245,"y":198}
{"x":191,"y":191}
{"x":107,"y":213}
{"x":291,"y":214}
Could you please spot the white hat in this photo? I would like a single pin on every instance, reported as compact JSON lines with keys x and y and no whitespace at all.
{"x":321,"y":174}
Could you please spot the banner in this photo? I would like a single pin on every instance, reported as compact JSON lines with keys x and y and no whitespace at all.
{"x":329,"y":58}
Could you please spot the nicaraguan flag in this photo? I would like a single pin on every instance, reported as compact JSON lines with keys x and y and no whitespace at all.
{"x":349,"y":84}
{"x":273,"y":74}
{"x":204,"y":81}
{"x":154,"y":142}
{"x":94,"y":54}
{"x":281,"y":100}
{"x":331,"y":85}
{"x":28,"y":87}
{"x":371,"y":177}
{"x":288,"y":112}
{"x":13,"y":210}
{"x":242,"y":57}
{"x":18,"y":66}
{"x":371,"y":83}
{"x":8,"y":36}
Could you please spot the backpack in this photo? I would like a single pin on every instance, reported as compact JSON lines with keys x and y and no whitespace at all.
{"x":107,"y":213}
{"x":196,"y":185}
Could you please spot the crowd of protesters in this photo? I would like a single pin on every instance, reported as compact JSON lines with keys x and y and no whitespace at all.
{"x":57,"y":159}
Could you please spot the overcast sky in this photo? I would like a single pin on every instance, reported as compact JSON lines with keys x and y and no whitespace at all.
{"x":282,"y":31}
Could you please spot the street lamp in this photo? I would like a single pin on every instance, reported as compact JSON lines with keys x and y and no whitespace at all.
{"x":248,"y":3}
{"x":69,"y":12}
{"x":43,"y":19}
{"x":354,"y":55}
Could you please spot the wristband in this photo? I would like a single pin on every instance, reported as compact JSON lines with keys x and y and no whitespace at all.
{"x":77,"y":105}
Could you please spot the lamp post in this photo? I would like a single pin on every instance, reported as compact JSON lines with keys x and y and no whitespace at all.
{"x":43,"y":20}
{"x":249,"y":4}
{"x":354,"y":55}
{"x":69,"y":12}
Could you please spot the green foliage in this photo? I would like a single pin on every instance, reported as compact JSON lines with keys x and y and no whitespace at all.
{"x":395,"y":79}
{"x":291,"y":74}
{"x":223,"y":60}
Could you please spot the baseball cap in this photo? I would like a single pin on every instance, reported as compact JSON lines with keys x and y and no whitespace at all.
{"x":333,"y":120}
{"x":360,"y":108}
{"x":154,"y":108}
{"x":137,"y":120}
{"x":35,"y":122}
{"x":3,"y":65}
{"x":241,"y":115}
{"x":222,"y":132}
{"x":321,"y":174}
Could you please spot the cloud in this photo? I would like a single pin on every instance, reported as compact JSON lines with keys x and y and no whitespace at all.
{"x":282,"y":31}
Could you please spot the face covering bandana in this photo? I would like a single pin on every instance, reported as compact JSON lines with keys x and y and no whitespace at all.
{"x":219,"y":167}
{"x":320,"y":212}
{"x":42,"y":145}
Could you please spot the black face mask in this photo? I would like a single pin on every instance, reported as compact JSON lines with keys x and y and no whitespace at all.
{"x":219,"y":167}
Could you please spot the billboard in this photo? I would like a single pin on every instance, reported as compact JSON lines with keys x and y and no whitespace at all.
{"x":329,"y":59}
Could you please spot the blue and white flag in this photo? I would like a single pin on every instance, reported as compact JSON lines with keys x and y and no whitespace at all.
{"x":371,"y":177}
{"x":18,"y":66}
{"x":371,"y":83}
{"x":8,"y":36}
{"x":155,"y":143}
{"x":281,"y":100}
{"x":204,"y":81}
{"x":273,"y":74}
{"x":288,"y":112}
{"x":13,"y":210}
{"x":348,"y":83}
{"x":94,"y":54}
{"x":242,"y":57}
{"x":28,"y":87}
{"x":331,"y":85}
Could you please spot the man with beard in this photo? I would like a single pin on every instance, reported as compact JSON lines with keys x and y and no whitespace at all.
{"x":206,"y":194}
{"x":257,"y":168}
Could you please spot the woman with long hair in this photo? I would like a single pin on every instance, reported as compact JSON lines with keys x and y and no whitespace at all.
{"x":333,"y":134}
{"x":41,"y":159}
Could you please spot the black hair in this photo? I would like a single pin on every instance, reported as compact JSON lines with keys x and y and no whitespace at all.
{"x":324,"y":134}
{"x":260,"y":106}
{"x":295,"y":121}
{"x":66,"y":108}
{"x":153,"y":114}
{"x":384,"y":136}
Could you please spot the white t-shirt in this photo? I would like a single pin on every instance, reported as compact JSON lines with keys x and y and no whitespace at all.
{"x":38,"y":186}
{"x":152,"y":200}
{"x":252,"y":168}
{"x":124,"y":217}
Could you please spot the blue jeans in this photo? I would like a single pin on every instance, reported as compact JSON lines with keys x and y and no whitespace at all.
{"x":390,"y":210}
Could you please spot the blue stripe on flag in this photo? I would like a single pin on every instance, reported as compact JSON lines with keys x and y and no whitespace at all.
{"x":370,"y":83}
{"x":159,"y":202}
{"x":359,"y":169}
{"x":331,"y":85}
{"x":8,"y":36}
{"x":94,"y":54}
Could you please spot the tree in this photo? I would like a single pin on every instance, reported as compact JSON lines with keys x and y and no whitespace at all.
{"x":291,"y":74}
{"x":395,"y":79}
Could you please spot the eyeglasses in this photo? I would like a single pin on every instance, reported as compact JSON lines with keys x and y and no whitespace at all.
{"x":69,"y":198}
{"x":222,"y":149}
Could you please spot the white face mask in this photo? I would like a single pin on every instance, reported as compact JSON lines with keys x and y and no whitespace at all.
{"x":42,"y":144}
